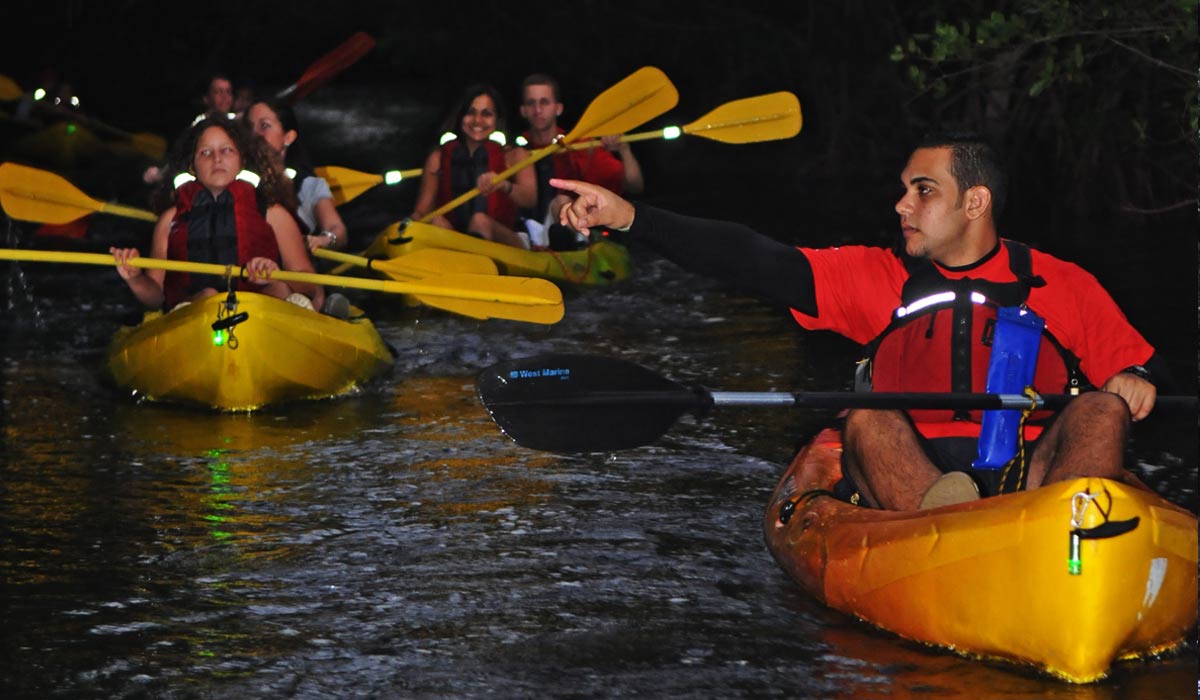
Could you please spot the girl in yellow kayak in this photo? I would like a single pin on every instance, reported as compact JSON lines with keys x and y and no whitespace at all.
{"x":222,"y":213}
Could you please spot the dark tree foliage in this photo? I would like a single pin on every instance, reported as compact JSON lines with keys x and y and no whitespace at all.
{"x":1097,"y":100}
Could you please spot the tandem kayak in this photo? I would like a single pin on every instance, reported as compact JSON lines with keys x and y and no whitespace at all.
{"x":276,"y":352}
{"x":602,"y":262}
{"x":991,"y":578}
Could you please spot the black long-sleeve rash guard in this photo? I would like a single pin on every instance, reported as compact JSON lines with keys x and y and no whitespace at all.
{"x":730,"y":252}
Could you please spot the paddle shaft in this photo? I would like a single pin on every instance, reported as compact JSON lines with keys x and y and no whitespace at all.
{"x":541,"y":401}
{"x":701,"y":399}
{"x":425,"y":262}
{"x":651,"y":135}
{"x":690,"y":129}
{"x":336,"y":174}
{"x":760,"y":118}
{"x":235,"y":271}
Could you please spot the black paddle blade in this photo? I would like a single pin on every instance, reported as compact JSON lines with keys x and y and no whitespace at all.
{"x":582,"y":403}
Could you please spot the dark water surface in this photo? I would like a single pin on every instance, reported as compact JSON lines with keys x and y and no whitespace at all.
{"x":395,"y":544}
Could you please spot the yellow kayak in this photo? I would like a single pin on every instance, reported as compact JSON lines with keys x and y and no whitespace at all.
{"x":279,"y":352}
{"x":602,"y":262}
{"x":68,"y":145}
{"x":992,"y":578}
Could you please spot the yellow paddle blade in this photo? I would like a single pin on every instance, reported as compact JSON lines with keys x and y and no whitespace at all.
{"x":525,"y":299}
{"x":762,"y":118}
{"x":346,"y":184}
{"x":427,"y":262}
{"x":472,"y":272}
{"x":437,"y":261}
{"x":9,"y":90}
{"x":478,"y":296}
{"x":30,"y":194}
{"x":640,"y":97}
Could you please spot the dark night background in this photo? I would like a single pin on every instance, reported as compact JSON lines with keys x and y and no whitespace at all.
{"x":1093,"y":102}
{"x":357,"y":548}
{"x":141,"y":65}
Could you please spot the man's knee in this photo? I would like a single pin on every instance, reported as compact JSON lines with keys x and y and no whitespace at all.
{"x":1100,"y":406}
{"x":864,"y":422}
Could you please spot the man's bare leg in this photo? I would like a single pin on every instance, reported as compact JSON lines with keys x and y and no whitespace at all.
{"x":1086,"y":439}
{"x":885,"y":459}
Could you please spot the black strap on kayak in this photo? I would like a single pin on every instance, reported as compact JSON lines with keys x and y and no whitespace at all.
{"x":1104,"y":531}
{"x":788,"y":508}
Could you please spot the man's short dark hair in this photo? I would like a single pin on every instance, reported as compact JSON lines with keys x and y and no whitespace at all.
{"x":542,"y":79}
{"x":973,"y":162}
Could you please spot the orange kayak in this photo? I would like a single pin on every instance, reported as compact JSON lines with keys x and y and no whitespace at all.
{"x":992,"y":578}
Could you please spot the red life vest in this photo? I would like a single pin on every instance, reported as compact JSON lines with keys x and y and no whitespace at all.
{"x":228,"y":231}
{"x":455,"y":180}
{"x":939,"y":339}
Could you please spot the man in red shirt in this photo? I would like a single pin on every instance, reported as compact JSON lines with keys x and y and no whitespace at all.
{"x":612,"y":166}
{"x":953,"y":188}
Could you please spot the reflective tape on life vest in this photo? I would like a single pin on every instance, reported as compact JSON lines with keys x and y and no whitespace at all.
{"x":934,"y":299}
{"x":245,"y":176}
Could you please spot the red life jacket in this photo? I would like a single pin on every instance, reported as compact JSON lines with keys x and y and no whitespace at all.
{"x":229,"y":231}
{"x":456,"y":179}
{"x":939,"y":339}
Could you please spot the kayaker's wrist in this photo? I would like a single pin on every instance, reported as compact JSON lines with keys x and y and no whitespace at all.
{"x":333,"y":239}
{"x":629,"y":225}
{"x":1140,"y":372}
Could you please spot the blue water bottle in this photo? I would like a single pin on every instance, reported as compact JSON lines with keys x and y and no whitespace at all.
{"x":1015,"y":344}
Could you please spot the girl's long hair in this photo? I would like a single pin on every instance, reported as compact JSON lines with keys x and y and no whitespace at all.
{"x":273,"y":186}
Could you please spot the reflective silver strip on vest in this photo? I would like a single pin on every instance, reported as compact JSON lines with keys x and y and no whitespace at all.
{"x":932,"y":299}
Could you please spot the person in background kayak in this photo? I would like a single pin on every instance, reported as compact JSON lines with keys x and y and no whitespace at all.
{"x":218,"y":216}
{"x":612,"y":166}
{"x":217,"y":100}
{"x":243,"y":97}
{"x":275,"y":122}
{"x":953,"y":189}
{"x":468,"y":162}
{"x":53,"y":100}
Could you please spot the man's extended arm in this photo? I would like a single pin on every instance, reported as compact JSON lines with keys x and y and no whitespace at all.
{"x":731,"y":252}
